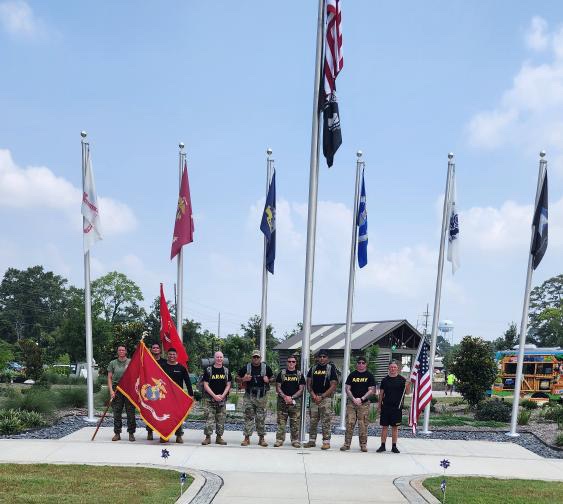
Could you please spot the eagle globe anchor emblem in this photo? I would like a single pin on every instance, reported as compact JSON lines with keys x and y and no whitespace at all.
{"x":153,"y":392}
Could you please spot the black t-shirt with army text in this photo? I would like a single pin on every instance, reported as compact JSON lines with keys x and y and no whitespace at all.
{"x":393,"y":389}
{"x":289,"y":383}
{"x":320,"y":382}
{"x":256,"y":373}
{"x":218,"y":379}
{"x":360,"y":382}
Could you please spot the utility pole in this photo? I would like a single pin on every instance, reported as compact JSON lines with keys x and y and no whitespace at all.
{"x":426,"y":315}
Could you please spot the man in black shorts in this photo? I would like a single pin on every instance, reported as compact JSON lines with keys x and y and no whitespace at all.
{"x":391,"y":393}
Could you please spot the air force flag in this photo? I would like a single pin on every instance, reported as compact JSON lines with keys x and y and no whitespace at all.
{"x":362,"y":227}
{"x":453,"y":232}
{"x":268,"y":225}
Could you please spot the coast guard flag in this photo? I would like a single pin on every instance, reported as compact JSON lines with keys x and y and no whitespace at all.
{"x":184,"y":226}
{"x":268,"y":225}
{"x":539,"y":226}
{"x":91,"y":223}
{"x":362,"y":227}
{"x":168,"y":333}
{"x":453,"y":232}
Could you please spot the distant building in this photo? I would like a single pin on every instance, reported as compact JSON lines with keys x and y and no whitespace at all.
{"x":397,"y":339}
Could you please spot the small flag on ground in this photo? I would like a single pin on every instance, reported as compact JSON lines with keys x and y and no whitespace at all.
{"x":333,"y":63}
{"x":162,"y":403}
{"x":268,"y":225}
{"x":453,"y":232}
{"x":92,"y":229}
{"x":362,"y":227}
{"x":184,"y":226}
{"x":422,"y":384}
{"x":168,"y":333}
{"x":539,"y":226}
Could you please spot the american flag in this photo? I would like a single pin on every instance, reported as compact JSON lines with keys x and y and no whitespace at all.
{"x":422,"y":384}
{"x":333,"y":63}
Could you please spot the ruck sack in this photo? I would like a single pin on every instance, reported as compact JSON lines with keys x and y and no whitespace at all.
{"x":263,"y":368}
{"x":329,"y":367}
{"x":209,"y":371}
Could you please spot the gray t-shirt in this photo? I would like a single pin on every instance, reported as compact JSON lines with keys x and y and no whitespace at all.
{"x":117,"y":368}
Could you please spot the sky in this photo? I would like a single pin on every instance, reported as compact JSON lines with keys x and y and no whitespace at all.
{"x":481,"y":79}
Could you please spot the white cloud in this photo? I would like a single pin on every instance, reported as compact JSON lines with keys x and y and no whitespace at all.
{"x":536,"y":36}
{"x":38,"y":188}
{"x":17,"y":19}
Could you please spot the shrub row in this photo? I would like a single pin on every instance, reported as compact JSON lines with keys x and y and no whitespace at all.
{"x":44,"y":401}
{"x":499,"y":411}
{"x":13,"y":421}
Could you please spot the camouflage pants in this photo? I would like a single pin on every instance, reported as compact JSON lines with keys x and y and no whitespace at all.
{"x":254,"y":411}
{"x":360,"y":415}
{"x":120,"y":401}
{"x":294,"y":414}
{"x":322,"y":412}
{"x":215,"y":415}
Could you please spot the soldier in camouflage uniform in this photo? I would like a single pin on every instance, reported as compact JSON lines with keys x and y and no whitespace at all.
{"x":289,"y":387}
{"x":255,"y":378}
{"x":116,"y":368}
{"x":321,"y":383}
{"x":216,"y":386}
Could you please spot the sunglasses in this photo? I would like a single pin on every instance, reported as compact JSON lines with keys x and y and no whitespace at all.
{"x":255,"y":356}
{"x":291,"y":361}
{"x":361,"y":362}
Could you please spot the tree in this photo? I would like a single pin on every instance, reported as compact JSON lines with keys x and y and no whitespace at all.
{"x":199,"y":343}
{"x":251,"y":332}
{"x":152,"y":320}
{"x":449,"y":358}
{"x":508,"y":340}
{"x":443,"y":346}
{"x":474,"y":368}
{"x":32,"y":358}
{"x":128,"y":334}
{"x":6,"y":354}
{"x":371,"y":356}
{"x":546,"y":313}
{"x":238,"y":349}
{"x":117,"y":298}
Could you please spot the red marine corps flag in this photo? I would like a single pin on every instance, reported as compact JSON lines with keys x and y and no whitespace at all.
{"x":184,"y":226}
{"x":162,"y":403}
{"x":168,"y":333}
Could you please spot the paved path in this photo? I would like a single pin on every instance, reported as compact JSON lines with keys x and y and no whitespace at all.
{"x":287,"y":475}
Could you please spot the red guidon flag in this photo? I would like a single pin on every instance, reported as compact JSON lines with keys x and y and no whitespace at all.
{"x":162,"y":403}
{"x":184,"y":226}
{"x":168,"y":333}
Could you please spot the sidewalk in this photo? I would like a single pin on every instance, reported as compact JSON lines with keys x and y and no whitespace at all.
{"x":254,"y":475}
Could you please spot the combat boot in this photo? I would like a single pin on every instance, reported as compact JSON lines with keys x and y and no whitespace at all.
{"x":296,"y":444}
{"x":179,"y":439}
{"x":219,"y":440}
{"x":345,"y":447}
{"x":326,"y":445}
{"x":206,"y":441}
{"x":149,"y":436}
{"x":363,"y":448}
{"x":278,"y":443}
{"x":245,"y":441}
{"x":131,"y":437}
{"x":262,"y":442}
{"x":116,"y":437}
{"x":310,"y":444}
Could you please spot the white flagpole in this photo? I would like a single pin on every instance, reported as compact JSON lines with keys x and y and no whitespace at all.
{"x":180,"y":260}
{"x":351,"y":282}
{"x":264,"y":312}
{"x":311,"y":216}
{"x":438,"y":294}
{"x":87,"y":296}
{"x":525,"y":308}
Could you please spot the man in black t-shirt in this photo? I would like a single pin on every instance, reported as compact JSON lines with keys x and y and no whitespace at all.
{"x":359,"y":386}
{"x":157,"y":354}
{"x":321,"y":383}
{"x":216,"y":386}
{"x":290,"y":384}
{"x":255,"y":378}
{"x":391,"y":394}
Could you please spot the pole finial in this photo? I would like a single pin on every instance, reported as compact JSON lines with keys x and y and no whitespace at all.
{"x":542,"y":154}
{"x":450,"y":155}
{"x":181,"y":145}
{"x":359,"y":154}
{"x":269,"y":151}
{"x":83,"y":134}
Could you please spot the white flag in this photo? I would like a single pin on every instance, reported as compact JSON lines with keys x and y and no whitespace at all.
{"x":91,"y":224}
{"x":453,"y":232}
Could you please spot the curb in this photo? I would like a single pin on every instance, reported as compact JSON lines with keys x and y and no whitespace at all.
{"x":412,"y":489}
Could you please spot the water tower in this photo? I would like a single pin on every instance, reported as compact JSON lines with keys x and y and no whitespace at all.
{"x":446,"y":327}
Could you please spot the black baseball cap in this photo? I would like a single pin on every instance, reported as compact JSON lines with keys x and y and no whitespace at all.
{"x":322,"y":351}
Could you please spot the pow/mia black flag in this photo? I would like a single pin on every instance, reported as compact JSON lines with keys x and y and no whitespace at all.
{"x":332,"y":135}
{"x":539,"y":227}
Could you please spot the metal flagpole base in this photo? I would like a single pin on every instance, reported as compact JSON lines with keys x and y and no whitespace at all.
{"x":426,"y":432}
{"x":90,"y":419}
{"x":512,"y":434}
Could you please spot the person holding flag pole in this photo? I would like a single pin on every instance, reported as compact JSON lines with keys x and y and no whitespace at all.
{"x":91,"y":233}
{"x":359,"y":237}
{"x":450,"y":226}
{"x":538,"y":246}
{"x":268,"y":227}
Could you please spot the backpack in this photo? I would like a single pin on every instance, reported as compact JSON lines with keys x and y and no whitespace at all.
{"x":208,"y":369}
{"x":328,"y":372}
{"x":244,"y":385}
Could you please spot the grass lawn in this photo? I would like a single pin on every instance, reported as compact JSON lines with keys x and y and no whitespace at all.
{"x":82,"y":484}
{"x":490,"y":490}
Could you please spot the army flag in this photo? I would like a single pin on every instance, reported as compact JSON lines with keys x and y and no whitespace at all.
{"x":184,"y":226}
{"x":168,"y":333}
{"x":453,"y":230}
{"x":268,"y":225}
{"x":539,"y":227}
{"x":362,"y":220}
{"x":162,"y":403}
{"x":90,"y":211}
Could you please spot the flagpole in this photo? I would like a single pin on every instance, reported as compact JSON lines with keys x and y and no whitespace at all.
{"x":87,"y":296}
{"x":180,"y":260}
{"x":311,"y":216}
{"x":264,"y":312}
{"x":525,"y":308}
{"x":438,"y":294}
{"x":351,"y":283}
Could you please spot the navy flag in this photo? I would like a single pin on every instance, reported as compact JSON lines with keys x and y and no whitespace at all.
{"x":268,"y":225}
{"x":539,"y":227}
{"x":362,"y":227}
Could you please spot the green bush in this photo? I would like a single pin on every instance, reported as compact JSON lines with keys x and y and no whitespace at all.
{"x":31,"y":419}
{"x":10,"y":422}
{"x":528,"y":404}
{"x":554,"y":413}
{"x":38,"y":400}
{"x":499,"y":411}
{"x":433,"y":403}
{"x":523,"y":416}
{"x":559,"y":439}
{"x":72,"y":397}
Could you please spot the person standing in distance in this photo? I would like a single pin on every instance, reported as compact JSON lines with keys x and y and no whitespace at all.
{"x":116,"y":368}
{"x":255,"y":378}
{"x":290,"y":384}
{"x":391,"y":393}
{"x":180,"y":375}
{"x":157,"y":354}
{"x":359,"y":386}
{"x":321,"y":383}
{"x":216,"y":386}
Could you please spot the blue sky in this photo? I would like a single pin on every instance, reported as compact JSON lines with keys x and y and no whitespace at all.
{"x":482,"y":79}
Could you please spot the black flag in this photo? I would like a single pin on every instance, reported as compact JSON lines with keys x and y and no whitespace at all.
{"x":539,"y":227}
{"x":332,"y":136}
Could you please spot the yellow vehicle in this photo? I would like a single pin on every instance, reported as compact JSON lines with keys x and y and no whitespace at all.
{"x":542,"y":373}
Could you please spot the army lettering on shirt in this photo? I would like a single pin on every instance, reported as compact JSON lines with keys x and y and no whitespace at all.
{"x":217,"y":380}
{"x":320,"y":382}
{"x":393,"y":388}
{"x":360,"y":382}
{"x":290,"y":383}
